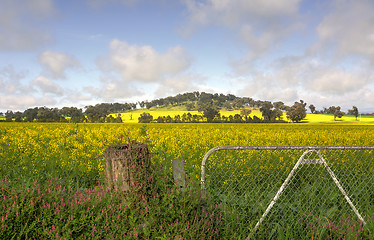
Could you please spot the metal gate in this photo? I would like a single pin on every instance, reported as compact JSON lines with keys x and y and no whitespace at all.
{"x":262,"y":188}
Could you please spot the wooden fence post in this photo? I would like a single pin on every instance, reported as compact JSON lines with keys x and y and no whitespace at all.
{"x":127,"y":166}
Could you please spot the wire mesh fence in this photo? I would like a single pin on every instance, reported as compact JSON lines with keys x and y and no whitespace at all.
{"x":263,"y":190}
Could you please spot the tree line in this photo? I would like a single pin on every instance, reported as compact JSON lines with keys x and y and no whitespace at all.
{"x":195,"y":118}
{"x":207,"y":103}
{"x":98,"y":113}
{"x":271,"y":113}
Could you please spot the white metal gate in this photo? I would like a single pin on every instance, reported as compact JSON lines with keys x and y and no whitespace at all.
{"x":251,"y":182}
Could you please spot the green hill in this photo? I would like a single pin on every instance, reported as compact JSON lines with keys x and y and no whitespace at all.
{"x":189,"y":107}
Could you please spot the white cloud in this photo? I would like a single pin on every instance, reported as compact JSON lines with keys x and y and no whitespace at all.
{"x":234,"y":12}
{"x":312,"y":79}
{"x":11,"y":81}
{"x":328,"y":77}
{"x":113,"y":89}
{"x":19,"y":24}
{"x":338,"y":64}
{"x":261,"y":25}
{"x":144,"y":63}
{"x":362,"y":98}
{"x":265,"y":86}
{"x":57,"y":63}
{"x":336,"y":81}
{"x":19,"y":94}
{"x":179,"y":84}
{"x":77,"y":97}
{"x":47,"y":86}
{"x":348,"y":29}
{"x":131,"y":70}
{"x":24,"y":101}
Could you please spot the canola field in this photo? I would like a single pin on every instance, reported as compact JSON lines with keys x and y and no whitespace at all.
{"x":75,"y":151}
{"x":132,"y":117}
{"x":243,"y":183}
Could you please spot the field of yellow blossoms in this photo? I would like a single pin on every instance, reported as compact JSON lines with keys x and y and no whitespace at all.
{"x":59,"y":155}
{"x":62,"y":149}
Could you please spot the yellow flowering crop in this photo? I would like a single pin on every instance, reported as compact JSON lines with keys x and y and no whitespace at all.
{"x":78,"y":148}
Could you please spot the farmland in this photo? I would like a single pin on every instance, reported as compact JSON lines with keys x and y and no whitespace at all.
{"x":132,"y":116}
{"x":62,"y":159}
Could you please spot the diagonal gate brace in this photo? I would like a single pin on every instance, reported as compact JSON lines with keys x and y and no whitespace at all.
{"x":303,"y":160}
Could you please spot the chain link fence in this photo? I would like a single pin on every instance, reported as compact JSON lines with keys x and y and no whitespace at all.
{"x":303,"y":190}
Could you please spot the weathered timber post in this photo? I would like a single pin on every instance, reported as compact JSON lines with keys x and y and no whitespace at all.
{"x":179,"y":174}
{"x":128,"y":166}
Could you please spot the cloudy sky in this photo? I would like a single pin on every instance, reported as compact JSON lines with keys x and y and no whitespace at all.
{"x":59,"y":53}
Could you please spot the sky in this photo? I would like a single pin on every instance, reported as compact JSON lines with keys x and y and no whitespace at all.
{"x":58,"y":53}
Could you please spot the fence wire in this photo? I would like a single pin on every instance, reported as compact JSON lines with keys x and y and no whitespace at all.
{"x":262,"y":190}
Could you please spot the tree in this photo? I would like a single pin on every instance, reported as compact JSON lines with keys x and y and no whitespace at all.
{"x":312,"y":108}
{"x":168,"y":119}
{"x":228,"y":106}
{"x":303,"y":103}
{"x":256,"y":119}
{"x":145,"y":118}
{"x":148,"y":105}
{"x":338,"y":113}
{"x":297,"y":112}
{"x":18,"y":116}
{"x":245,"y":112}
{"x":9,"y":115}
{"x":109,"y":119}
{"x":210,"y":113}
{"x":160,"y":119}
{"x":142,"y":104}
{"x":267,"y":112}
{"x":48,"y":115}
{"x":97,"y":113}
{"x":118,"y":119}
{"x":331,"y":110}
{"x":30,"y":114}
{"x":75,"y":114}
{"x":278,"y":113}
{"x":353,"y":111}
{"x":237,"y":118}
{"x":177,"y":118}
{"x":238,"y":103}
{"x":280,"y":105}
{"x":190,"y":106}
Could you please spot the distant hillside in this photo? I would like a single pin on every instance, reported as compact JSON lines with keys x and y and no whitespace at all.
{"x":195,"y":101}
{"x":188,"y":105}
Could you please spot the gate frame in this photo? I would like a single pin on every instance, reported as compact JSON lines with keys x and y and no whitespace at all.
{"x":308,"y":149}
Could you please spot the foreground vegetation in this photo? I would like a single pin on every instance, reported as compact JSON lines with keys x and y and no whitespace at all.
{"x":52,"y":183}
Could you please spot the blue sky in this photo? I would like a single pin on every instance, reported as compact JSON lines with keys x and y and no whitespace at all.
{"x":58,"y":53}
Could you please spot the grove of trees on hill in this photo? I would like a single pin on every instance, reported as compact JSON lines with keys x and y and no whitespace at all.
{"x":207,"y":103}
